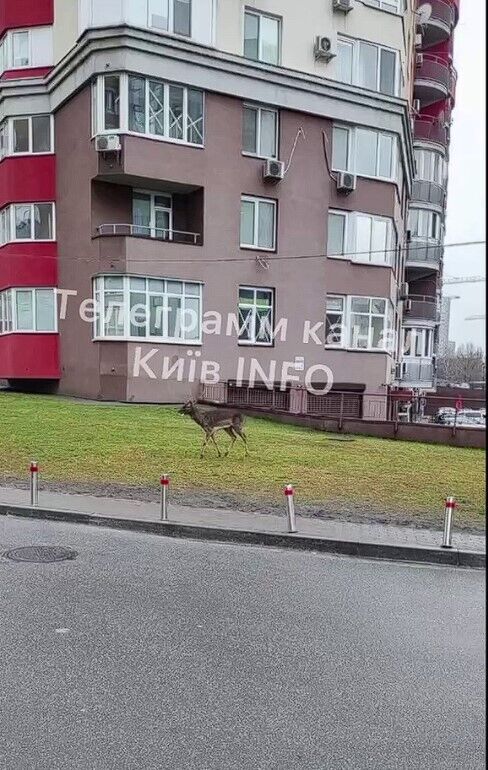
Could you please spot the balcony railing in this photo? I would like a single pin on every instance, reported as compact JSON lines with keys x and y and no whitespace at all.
{"x":421,"y":371}
{"x":429,"y":129}
{"x":440,"y":23}
{"x":157,"y":233}
{"x":420,"y":308}
{"x":429,"y":192}
{"x":434,"y":78}
{"x":422,"y":252}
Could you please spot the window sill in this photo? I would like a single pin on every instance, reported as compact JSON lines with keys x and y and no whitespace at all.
{"x":390,"y":180}
{"x":153,"y":137}
{"x":25,"y":331}
{"x":28,"y":240}
{"x":345,"y":349}
{"x":258,"y":157}
{"x":150,"y":340}
{"x":363,"y":262}
{"x":257,"y":248}
{"x":244,"y":344}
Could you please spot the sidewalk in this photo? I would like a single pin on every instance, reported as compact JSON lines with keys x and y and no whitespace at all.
{"x":238,"y":521}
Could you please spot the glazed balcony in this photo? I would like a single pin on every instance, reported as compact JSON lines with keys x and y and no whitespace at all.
{"x":439,"y":25}
{"x":420,"y":308}
{"x":434,"y":79}
{"x":417,"y":373}
{"x":432,"y":193}
{"x":424,"y":254}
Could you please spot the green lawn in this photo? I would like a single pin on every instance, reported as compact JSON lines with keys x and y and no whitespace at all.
{"x":133,"y":445}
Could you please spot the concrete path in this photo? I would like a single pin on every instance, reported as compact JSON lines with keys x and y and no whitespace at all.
{"x":253,"y":522}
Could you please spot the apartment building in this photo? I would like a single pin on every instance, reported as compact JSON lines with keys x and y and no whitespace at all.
{"x":199,"y":186}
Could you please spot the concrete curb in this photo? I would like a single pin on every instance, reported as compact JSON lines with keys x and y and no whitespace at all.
{"x":388,"y":551}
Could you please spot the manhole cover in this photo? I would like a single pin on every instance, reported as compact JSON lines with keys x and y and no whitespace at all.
{"x":42,"y":554}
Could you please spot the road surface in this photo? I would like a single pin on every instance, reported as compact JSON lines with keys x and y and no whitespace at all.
{"x":149,"y":653}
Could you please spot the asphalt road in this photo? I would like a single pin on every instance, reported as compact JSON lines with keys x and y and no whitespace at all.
{"x":147,"y":652}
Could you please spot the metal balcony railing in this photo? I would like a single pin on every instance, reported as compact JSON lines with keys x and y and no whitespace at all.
{"x":437,"y":71}
{"x":420,"y":308}
{"x":421,"y":251}
{"x":429,"y":192}
{"x":431,"y":130}
{"x":142,"y":231}
{"x":420,"y":371}
{"x":441,"y":12}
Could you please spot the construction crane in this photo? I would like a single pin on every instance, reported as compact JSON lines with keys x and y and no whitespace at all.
{"x":475,"y":318}
{"x":465,"y":279}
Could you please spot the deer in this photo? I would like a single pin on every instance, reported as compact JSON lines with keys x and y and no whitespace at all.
{"x":213,"y":420}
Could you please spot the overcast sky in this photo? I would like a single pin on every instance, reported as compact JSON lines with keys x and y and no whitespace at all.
{"x":467,"y":191}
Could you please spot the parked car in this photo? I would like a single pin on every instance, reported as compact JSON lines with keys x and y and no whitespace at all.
{"x":465,"y":418}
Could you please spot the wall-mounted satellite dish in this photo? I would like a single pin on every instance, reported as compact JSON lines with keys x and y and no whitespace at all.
{"x":424,"y":12}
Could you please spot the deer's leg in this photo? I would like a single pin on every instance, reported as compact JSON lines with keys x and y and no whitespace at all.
{"x":243,"y":436}
{"x":212,"y":436}
{"x":233,"y":436}
{"x":207,"y":437}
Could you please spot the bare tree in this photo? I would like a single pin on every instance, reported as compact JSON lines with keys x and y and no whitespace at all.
{"x":467,"y":364}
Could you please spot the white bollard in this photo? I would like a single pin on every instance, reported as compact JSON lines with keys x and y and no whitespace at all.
{"x":290,"y":508}
{"x":448,"y":512}
{"x":34,"y":483}
{"x":164,"y":496}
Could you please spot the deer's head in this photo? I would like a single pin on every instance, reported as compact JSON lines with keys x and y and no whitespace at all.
{"x":187,"y":408}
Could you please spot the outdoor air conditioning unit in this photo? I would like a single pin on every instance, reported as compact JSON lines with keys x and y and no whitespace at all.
{"x":419,"y":59}
{"x":273,"y":170}
{"x":416,"y":106}
{"x":407,"y":305}
{"x":346,"y":183}
{"x":404,"y":291}
{"x":107,"y":143}
{"x":325,"y":48}
{"x":342,"y":5}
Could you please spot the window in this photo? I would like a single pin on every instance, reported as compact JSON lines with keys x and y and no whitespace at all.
{"x":170,"y":15}
{"x":258,"y":223}
{"x":262,"y":37}
{"x":430,"y":166}
{"x":158,"y":109}
{"x":334,"y":320}
{"x":255,"y":315}
{"x":361,"y":237}
{"x":29,"y":135}
{"x":368,"y":65}
{"x":152,"y":213}
{"x":425,"y":224}
{"x":260,"y":131}
{"x":364,"y":152}
{"x":359,"y":323}
{"x":394,"y":6}
{"x":150,"y":308}
{"x":418,"y":342}
{"x":27,"y":310}
{"x":27,"y":222}
{"x":20,"y":50}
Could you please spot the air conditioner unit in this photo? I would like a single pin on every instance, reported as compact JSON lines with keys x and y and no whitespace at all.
{"x":325,"y":48}
{"x":342,"y":5}
{"x":407,"y":305}
{"x":416,"y":106}
{"x":419,"y":59}
{"x":418,"y":41}
{"x":273,"y":170}
{"x":346,"y":183}
{"x":107,"y":143}
{"x":403,"y":290}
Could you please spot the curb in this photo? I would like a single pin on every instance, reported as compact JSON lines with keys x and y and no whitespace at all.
{"x":424,"y":554}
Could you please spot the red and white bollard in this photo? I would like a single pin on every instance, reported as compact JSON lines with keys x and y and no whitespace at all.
{"x":164,"y":496}
{"x":290,"y":508}
{"x":448,"y":512}
{"x":34,"y":483}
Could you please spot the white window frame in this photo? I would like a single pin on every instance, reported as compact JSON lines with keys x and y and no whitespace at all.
{"x":351,"y":252}
{"x":430,"y":215}
{"x":260,"y":15}
{"x":152,"y":194}
{"x":8,"y":128}
{"x":259,"y":109}
{"x":389,"y":332}
{"x":421,"y":156}
{"x":426,"y":335}
{"x":356,"y":43}
{"x":171,"y":19}
{"x":256,"y":201}
{"x":342,"y":327}
{"x":352,"y":133}
{"x":101,"y":319}
{"x":14,"y":33}
{"x":382,"y":6}
{"x":9,"y":212}
{"x":254,"y":306}
{"x":98,"y":109}
{"x":12,"y":307}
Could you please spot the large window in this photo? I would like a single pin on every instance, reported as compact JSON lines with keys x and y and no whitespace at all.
{"x":170,"y":15}
{"x":165,"y":15}
{"x":147,"y":106}
{"x":361,"y":237}
{"x":260,"y":131}
{"x":152,"y":215}
{"x":262,"y":37}
{"x":27,"y":310}
{"x":430,"y":166}
{"x":23,"y":48}
{"x":368,"y":65}
{"x":394,"y":6}
{"x":255,"y":315}
{"x":364,"y":152}
{"x":258,"y":223}
{"x":425,"y":224}
{"x":418,"y":342}
{"x":27,"y":222}
{"x":26,"y":135}
{"x":359,"y":323}
{"x":158,"y":309}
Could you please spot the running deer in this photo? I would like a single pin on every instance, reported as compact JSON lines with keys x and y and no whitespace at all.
{"x":213,"y":420}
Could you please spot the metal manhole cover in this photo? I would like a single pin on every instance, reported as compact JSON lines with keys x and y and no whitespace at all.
{"x":41,"y":554}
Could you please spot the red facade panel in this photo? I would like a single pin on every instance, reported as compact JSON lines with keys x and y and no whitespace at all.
{"x":25,"y":13}
{"x":28,"y":264}
{"x":29,"y":356}
{"x":27,"y":179}
{"x":29,"y":72}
